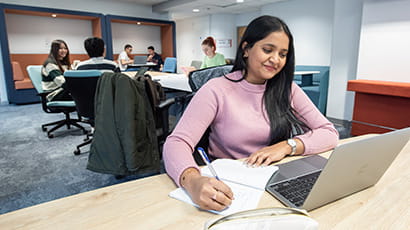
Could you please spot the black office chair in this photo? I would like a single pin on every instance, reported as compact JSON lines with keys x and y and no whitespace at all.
{"x":198,"y":78}
{"x":66,"y":107}
{"x":82,"y":85}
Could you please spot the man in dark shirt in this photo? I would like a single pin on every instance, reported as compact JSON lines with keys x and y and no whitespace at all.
{"x":155,"y":58}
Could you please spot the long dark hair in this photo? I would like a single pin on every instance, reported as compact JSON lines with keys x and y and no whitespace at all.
{"x":53,"y":55}
{"x":282,"y":117}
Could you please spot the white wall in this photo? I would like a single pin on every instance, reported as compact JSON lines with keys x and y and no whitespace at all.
{"x":95,"y":6}
{"x":384,"y":52}
{"x":28,"y":34}
{"x":191,"y":32}
{"x":139,"y":36}
{"x":244,"y":19}
{"x":310,"y":22}
{"x":222,"y":26}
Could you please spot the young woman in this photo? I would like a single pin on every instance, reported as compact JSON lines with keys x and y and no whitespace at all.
{"x":53,"y":80}
{"x":212,"y":58}
{"x":255,"y":112}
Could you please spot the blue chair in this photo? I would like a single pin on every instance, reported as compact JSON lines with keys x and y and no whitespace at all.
{"x":82,"y":85}
{"x":66,"y":107}
{"x":170,"y":65}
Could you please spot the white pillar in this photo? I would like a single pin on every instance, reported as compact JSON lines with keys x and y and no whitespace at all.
{"x":344,"y":57}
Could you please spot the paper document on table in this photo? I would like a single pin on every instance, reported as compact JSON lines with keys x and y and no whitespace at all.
{"x":238,"y":172}
{"x":246,"y":183}
{"x":245,"y":198}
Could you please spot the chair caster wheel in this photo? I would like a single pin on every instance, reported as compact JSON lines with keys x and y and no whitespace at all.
{"x":44,"y":129}
{"x":77,"y":152}
{"x":50,"y":135}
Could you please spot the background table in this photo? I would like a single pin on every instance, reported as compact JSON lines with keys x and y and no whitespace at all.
{"x":168,"y":80}
{"x":307,"y":77}
{"x":144,"y":204}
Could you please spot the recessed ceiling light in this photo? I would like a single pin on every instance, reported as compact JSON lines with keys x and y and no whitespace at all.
{"x":239,"y":1}
{"x":195,"y":10}
{"x":54,"y":15}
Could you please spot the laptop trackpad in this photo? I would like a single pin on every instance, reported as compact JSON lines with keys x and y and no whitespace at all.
{"x":298,"y":167}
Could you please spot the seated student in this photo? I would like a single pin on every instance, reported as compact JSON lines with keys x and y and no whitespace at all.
{"x":155,"y":58}
{"x":212,"y":58}
{"x":95,"y":48}
{"x":255,"y":112}
{"x":124,"y":59}
{"x":57,"y":62}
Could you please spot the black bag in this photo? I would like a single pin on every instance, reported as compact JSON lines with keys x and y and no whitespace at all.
{"x":154,"y":90}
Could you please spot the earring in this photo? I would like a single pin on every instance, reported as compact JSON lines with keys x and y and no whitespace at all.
{"x":245,"y":55}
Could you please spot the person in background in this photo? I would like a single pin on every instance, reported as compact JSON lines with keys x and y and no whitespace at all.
{"x":57,"y":62}
{"x":255,"y":112}
{"x":155,"y":58}
{"x":123,"y":58}
{"x":212,"y":58}
{"x":95,"y":48}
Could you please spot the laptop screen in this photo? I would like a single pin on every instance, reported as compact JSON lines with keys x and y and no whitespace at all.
{"x":140,"y":60}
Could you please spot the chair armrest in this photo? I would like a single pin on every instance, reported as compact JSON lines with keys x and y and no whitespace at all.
{"x":168,"y":102}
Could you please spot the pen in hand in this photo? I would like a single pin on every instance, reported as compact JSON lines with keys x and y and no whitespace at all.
{"x":207,"y":162}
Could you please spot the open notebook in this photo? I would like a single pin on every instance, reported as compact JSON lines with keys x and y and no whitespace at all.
{"x":246,"y":183}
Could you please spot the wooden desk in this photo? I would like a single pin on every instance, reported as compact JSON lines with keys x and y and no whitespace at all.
{"x":144,"y":204}
{"x":167,"y":80}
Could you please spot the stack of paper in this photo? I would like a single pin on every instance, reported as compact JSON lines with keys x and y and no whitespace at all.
{"x":246,"y":183}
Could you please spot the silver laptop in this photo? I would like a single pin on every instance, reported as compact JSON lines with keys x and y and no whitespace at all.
{"x":313,"y":181}
{"x":140,"y":59}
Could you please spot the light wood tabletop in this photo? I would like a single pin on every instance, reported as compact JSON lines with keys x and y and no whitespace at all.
{"x":144,"y":204}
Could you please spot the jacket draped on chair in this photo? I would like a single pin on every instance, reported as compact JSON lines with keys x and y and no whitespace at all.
{"x":125,"y":140}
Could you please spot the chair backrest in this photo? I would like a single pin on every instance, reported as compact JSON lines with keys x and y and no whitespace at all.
{"x":170,"y":65}
{"x":82,"y":85}
{"x":199,"y":77}
{"x":34,"y":72}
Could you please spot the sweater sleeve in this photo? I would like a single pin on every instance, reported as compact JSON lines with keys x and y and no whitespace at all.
{"x":197,"y":117}
{"x":323,"y":135}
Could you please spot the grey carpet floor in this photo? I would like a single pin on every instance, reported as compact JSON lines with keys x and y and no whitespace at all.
{"x":35,"y":169}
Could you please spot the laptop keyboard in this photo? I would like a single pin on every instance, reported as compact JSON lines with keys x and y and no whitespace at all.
{"x":297,"y":190}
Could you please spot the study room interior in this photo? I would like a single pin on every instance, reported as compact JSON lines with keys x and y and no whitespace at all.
{"x":350,"y":61}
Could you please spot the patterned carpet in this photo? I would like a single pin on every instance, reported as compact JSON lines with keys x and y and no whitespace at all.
{"x":35,"y":169}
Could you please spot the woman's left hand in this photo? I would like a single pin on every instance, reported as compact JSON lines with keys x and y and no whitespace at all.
{"x":267,"y":155}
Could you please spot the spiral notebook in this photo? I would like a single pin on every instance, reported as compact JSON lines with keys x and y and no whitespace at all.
{"x":246,"y":183}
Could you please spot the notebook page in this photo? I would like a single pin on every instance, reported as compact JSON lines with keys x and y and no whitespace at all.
{"x":245,"y":198}
{"x":238,"y":172}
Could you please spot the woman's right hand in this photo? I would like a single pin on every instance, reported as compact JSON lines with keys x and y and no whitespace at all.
{"x":209,"y":193}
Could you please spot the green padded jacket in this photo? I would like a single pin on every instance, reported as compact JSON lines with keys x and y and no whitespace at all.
{"x":124,"y":140}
